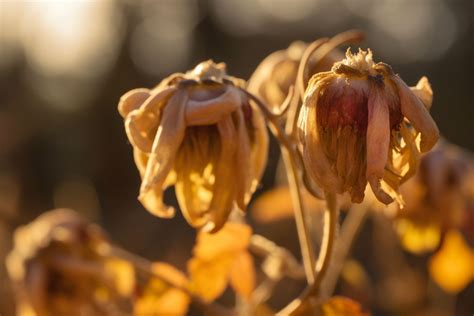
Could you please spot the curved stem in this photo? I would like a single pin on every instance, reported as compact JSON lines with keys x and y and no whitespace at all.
{"x":349,"y":231}
{"x":289,"y":154}
{"x":306,"y":300}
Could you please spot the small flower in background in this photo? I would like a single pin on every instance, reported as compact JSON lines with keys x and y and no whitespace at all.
{"x":277,"y":73}
{"x":58,"y":268}
{"x":452,"y":267}
{"x":359,"y":123}
{"x":438,"y":198}
{"x":199,"y":132}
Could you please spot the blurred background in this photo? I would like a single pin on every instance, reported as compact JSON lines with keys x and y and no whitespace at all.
{"x":65,"y":64}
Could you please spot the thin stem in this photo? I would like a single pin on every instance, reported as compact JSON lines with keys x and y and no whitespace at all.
{"x":349,"y":231}
{"x":289,"y":154}
{"x":306,"y":300}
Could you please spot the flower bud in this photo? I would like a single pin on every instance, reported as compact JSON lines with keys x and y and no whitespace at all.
{"x":273,"y":78}
{"x":196,"y":131}
{"x":359,"y":123}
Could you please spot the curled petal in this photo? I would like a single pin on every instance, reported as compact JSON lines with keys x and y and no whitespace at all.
{"x":424,"y":92}
{"x":169,"y":135}
{"x":314,"y":158}
{"x":259,"y":154}
{"x":242,"y":156}
{"x":378,"y":140}
{"x":141,"y":124}
{"x":132,"y":100}
{"x":418,"y":115}
{"x":225,"y":185}
{"x":211,"y":111}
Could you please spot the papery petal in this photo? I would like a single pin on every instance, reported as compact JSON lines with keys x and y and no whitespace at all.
{"x":424,"y":92}
{"x":224,"y":186}
{"x":315,"y":160}
{"x":169,"y":135}
{"x":259,"y":154}
{"x":242,"y":159}
{"x":418,"y":115}
{"x":132,"y":100}
{"x":411,"y":154}
{"x":212,"y":110}
{"x":378,"y":140}
{"x":141,"y":124}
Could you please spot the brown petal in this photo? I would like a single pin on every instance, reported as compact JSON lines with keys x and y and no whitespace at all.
{"x":132,"y":100}
{"x":141,"y":124}
{"x":259,"y":153}
{"x":213,"y":110}
{"x":378,"y":140}
{"x":418,"y":115}
{"x":224,"y":186}
{"x":316,"y":163}
{"x":168,"y":139}
{"x":242,"y":163}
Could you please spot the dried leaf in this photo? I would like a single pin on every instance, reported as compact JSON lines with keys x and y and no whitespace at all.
{"x":452,"y":267}
{"x":242,"y":277}
{"x":158,"y":298}
{"x":209,"y":278}
{"x":339,"y":305}
{"x":234,"y":237}
{"x":221,"y":258}
{"x":122,"y":274}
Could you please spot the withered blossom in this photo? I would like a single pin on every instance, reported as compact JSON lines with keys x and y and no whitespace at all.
{"x":199,"y":132}
{"x":58,"y":268}
{"x":273,"y":78}
{"x":359,"y":123}
{"x":440,"y":197}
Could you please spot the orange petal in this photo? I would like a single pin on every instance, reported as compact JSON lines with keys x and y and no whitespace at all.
{"x":224,"y":188}
{"x":242,"y":276}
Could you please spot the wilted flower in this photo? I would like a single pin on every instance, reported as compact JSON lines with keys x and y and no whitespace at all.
{"x":277,"y":72}
{"x":198,"y":131}
{"x":438,"y":198}
{"x":359,"y":124}
{"x":58,"y":268}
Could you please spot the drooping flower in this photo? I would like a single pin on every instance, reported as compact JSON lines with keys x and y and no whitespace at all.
{"x":58,"y":267}
{"x":199,"y":132}
{"x":273,"y":78}
{"x":359,"y":123}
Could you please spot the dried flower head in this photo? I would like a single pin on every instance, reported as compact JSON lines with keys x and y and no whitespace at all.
{"x":58,"y":268}
{"x":273,"y":78}
{"x":437,"y":198}
{"x":199,"y":132}
{"x":359,"y":123}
